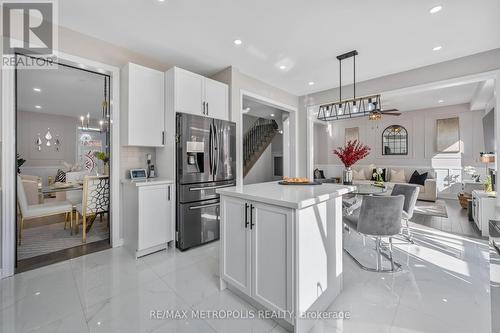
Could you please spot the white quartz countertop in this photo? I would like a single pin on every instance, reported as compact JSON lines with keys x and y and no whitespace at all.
{"x":147,"y":182}
{"x":292,"y":196}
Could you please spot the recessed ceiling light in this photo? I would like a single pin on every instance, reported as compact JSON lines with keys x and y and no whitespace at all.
{"x":282,"y":67}
{"x":238,"y":42}
{"x":38,"y":107}
{"x":437,"y":48}
{"x":272,"y":114}
{"x":37,"y":89}
{"x":311,"y":83}
{"x":435,"y":9}
{"x":161,"y":0}
{"x":441,"y":101}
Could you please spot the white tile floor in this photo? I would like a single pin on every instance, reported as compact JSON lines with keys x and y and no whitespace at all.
{"x":444,"y":287}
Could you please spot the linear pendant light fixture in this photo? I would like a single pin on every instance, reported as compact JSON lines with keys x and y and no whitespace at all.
{"x":349,"y":108}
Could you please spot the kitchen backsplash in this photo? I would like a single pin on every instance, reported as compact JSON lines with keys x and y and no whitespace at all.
{"x":133,"y":158}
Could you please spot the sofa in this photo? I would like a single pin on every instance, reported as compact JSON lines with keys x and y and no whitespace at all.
{"x":428,"y":192}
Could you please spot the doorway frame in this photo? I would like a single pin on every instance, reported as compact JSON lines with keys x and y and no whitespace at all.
{"x":290,"y":134}
{"x":8,"y":123}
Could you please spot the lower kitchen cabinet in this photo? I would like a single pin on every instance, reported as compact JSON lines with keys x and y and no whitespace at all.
{"x":257,"y":247}
{"x":148,"y":216}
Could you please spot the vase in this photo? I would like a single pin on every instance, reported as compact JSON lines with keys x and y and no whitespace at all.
{"x":347,"y":176}
{"x":106,"y":169}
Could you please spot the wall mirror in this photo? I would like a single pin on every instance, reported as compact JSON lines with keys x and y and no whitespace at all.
{"x":395,"y":140}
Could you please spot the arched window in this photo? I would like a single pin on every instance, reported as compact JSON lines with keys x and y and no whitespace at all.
{"x":395,"y":140}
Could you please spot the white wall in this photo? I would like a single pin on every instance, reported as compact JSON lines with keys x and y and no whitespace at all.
{"x":262,"y":171}
{"x":30,"y":124}
{"x":421,"y":127}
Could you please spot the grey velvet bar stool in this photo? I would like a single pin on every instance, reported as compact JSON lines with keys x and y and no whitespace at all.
{"x":410,"y":193}
{"x":378,"y":216}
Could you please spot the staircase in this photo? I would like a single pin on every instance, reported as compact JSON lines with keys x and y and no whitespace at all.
{"x":256,"y":140}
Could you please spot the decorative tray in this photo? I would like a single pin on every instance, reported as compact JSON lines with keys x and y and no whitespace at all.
{"x":298,"y":183}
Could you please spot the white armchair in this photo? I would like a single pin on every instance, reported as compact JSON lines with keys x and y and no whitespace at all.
{"x":31,"y":186}
{"x":31,"y":211}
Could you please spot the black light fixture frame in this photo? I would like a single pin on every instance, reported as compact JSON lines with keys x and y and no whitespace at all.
{"x":343,"y":109}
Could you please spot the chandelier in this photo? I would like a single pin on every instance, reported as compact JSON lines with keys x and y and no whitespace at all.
{"x":354,"y":107}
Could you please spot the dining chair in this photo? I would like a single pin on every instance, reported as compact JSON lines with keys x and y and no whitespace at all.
{"x":410,"y":192}
{"x":378,"y":216}
{"x":95,"y":201}
{"x":31,"y":211}
{"x":31,"y":185}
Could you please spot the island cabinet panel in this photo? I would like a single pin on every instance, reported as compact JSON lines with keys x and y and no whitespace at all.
{"x":236,"y":246}
{"x":272,"y":256}
{"x":257,"y":251}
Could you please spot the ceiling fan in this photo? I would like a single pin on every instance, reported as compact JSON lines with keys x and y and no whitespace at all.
{"x":377,"y":114}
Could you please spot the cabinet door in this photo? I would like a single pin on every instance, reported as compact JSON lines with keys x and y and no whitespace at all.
{"x":154,"y":216}
{"x":272,"y":256}
{"x":235,"y":242}
{"x":217,"y":100}
{"x":146,"y":106}
{"x":188,"y":92}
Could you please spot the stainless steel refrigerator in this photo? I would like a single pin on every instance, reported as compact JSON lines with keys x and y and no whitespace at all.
{"x":206,"y":161}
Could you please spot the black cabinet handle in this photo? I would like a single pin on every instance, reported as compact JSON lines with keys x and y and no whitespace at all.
{"x":251,"y":216}
{"x":169,"y":193}
{"x":163,"y":137}
{"x":207,"y":108}
{"x":204,"y":108}
{"x":246,"y":215}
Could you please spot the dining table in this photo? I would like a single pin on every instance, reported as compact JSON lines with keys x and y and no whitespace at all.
{"x":61,"y":187}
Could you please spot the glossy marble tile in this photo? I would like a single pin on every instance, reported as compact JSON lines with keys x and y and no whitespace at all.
{"x":443,"y":287}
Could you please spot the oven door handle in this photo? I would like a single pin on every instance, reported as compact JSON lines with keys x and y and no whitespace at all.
{"x":204,"y":206}
{"x":209,"y":187}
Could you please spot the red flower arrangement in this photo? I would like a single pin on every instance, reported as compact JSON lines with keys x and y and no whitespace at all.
{"x":352,"y":152}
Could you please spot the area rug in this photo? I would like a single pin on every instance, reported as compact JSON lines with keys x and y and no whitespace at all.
{"x":50,"y":238}
{"x":437,"y":208}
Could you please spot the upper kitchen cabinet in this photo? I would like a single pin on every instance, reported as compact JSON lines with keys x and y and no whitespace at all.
{"x":199,"y":95}
{"x":143,"y":106}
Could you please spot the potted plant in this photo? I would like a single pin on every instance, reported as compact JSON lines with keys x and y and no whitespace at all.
{"x":100,"y":155}
{"x":377,"y":176}
{"x":351,"y":153}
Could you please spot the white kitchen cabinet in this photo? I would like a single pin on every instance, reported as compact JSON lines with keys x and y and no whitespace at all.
{"x":188,"y":94}
{"x":237,"y":265}
{"x":196,"y":94}
{"x":483,"y":210}
{"x":148,"y":215}
{"x":142,"y":106}
{"x":272,"y":256}
{"x":216,"y":99}
{"x":257,"y":251}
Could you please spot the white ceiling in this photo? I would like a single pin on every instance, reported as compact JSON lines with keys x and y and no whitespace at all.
{"x":260,"y":110}
{"x":64,"y":91}
{"x":390,"y":35}
{"x":431,"y":98}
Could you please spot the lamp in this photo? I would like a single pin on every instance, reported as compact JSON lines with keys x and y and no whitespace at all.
{"x":487,"y":158}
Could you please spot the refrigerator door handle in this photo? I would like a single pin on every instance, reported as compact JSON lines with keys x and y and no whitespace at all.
{"x":210,"y":187}
{"x":210,"y":150}
{"x":204,"y":206}
{"x":216,"y":150}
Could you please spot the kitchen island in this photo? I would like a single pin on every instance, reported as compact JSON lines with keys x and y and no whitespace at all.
{"x":281,"y":248}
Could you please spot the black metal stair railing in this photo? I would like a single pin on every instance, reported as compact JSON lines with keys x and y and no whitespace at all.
{"x":258,"y":137}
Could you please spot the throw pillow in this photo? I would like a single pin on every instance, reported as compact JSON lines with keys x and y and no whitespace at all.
{"x":398,"y":176}
{"x":61,"y":176}
{"x":358,"y":174}
{"x":418,"y":179}
{"x":383,"y":174}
